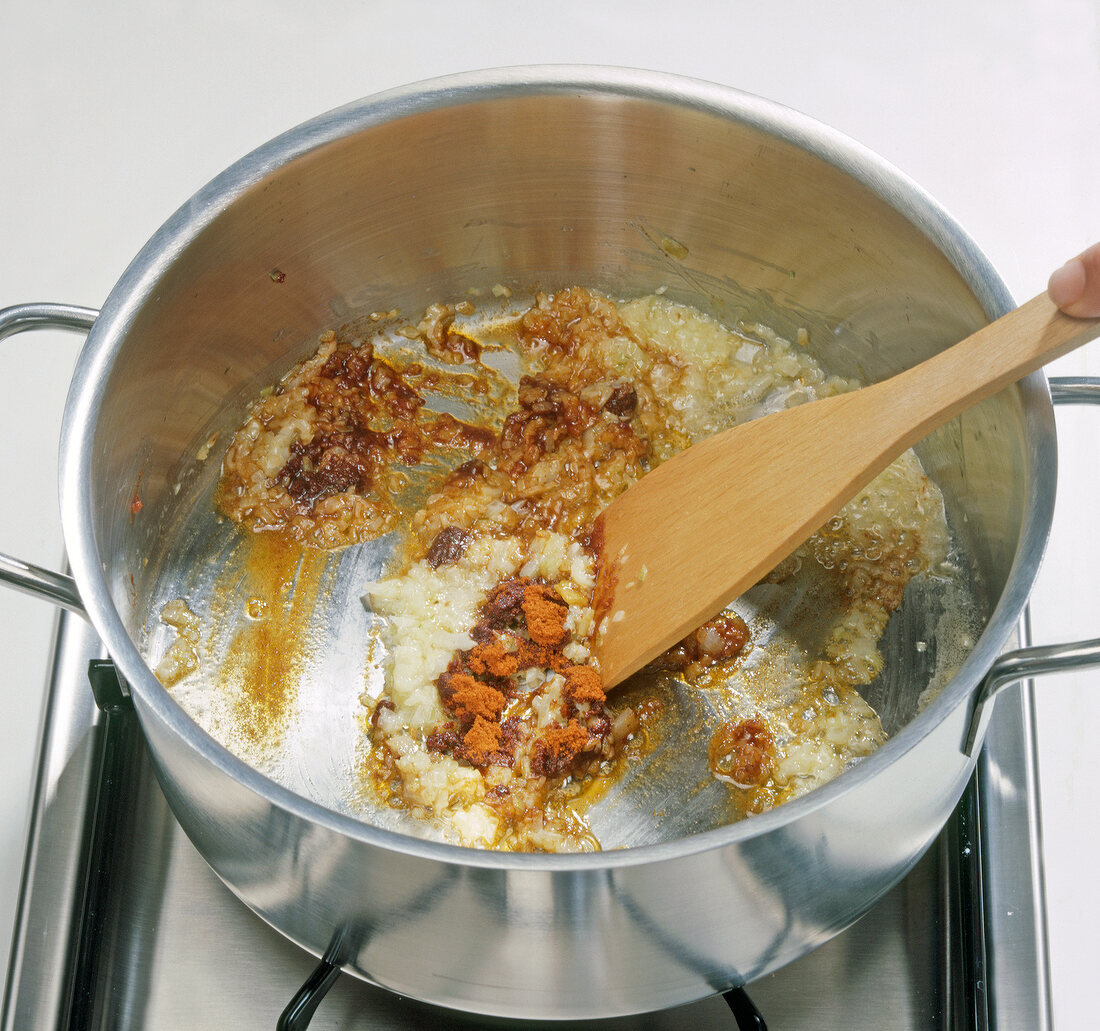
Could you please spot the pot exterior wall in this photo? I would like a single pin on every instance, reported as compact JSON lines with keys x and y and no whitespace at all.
{"x":589,"y":941}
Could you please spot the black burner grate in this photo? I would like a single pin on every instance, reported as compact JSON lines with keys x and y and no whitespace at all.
{"x":300,"y":1011}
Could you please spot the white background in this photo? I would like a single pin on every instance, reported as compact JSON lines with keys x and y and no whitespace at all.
{"x":112,"y":115}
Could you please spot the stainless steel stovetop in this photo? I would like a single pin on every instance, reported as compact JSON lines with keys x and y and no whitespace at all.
{"x":152,"y":939}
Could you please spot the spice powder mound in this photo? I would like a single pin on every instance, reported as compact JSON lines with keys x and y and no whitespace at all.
{"x":493,"y":723}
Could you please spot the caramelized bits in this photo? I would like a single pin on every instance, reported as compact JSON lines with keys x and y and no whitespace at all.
{"x":742,"y":752}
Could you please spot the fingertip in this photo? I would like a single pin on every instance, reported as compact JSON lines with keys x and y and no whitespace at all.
{"x":1067,"y":284}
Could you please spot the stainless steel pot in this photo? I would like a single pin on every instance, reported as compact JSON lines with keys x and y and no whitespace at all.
{"x":620,"y":180}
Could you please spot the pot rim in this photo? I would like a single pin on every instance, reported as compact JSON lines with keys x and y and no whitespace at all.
{"x":138,"y":285}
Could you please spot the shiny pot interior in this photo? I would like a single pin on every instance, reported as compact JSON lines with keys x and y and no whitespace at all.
{"x":538,"y":178}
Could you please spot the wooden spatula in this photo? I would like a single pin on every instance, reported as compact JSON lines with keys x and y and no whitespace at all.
{"x":702,"y":528}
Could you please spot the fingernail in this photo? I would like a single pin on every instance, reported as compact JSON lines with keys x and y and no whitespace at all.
{"x":1067,"y":284}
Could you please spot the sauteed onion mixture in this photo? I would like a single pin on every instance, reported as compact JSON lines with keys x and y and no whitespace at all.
{"x":489,"y":442}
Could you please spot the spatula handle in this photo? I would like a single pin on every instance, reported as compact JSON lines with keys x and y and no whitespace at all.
{"x":935,"y":391}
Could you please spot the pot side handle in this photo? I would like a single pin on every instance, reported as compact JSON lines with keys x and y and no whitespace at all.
{"x":24,"y":576}
{"x":1024,"y":663}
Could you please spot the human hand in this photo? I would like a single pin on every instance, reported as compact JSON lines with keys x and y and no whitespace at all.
{"x":1075,"y":287}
